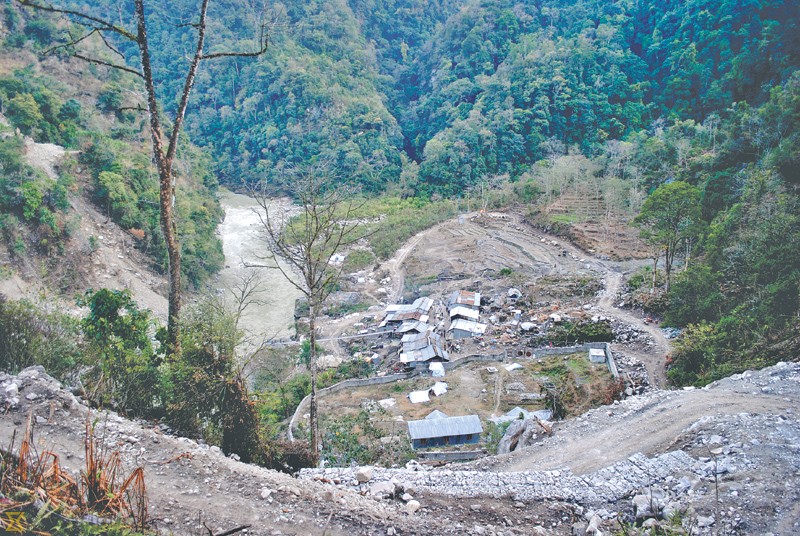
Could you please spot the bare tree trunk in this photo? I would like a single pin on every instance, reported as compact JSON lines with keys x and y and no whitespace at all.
{"x":655,"y":272}
{"x":166,"y":188}
{"x":312,"y":366}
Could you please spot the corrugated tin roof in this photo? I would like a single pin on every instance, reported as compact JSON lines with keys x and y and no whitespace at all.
{"x":414,"y":325}
{"x":423,"y":304}
{"x":413,"y":337}
{"x":476,"y":328}
{"x":446,"y":427}
{"x":465,"y":297}
{"x":423,"y":349}
{"x":408,"y":311}
{"x":466,"y":312}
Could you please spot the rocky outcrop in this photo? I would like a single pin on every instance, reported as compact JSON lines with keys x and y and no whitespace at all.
{"x":522,"y":434}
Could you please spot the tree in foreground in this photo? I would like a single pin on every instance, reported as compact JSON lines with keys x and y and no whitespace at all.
{"x":141,"y":66}
{"x":307,"y":243}
{"x":670,"y":217}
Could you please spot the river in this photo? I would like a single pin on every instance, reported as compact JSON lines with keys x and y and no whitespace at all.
{"x":271,"y":314}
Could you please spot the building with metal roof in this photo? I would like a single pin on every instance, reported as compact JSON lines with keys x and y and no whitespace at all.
{"x":464,"y":329}
{"x":445,"y":431}
{"x":465,"y":298}
{"x":466,"y":313}
{"x":426,"y":347}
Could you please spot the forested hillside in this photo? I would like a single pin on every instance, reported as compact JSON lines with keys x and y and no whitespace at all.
{"x":695,"y":99}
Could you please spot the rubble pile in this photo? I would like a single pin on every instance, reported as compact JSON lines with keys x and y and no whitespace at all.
{"x":634,"y":372}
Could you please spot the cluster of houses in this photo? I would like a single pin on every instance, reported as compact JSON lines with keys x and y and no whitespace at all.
{"x":422,"y":339}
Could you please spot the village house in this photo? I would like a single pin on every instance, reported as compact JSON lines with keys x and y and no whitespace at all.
{"x":438,"y":431}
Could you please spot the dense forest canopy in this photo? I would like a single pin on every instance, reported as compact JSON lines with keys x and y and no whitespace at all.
{"x":466,"y":89}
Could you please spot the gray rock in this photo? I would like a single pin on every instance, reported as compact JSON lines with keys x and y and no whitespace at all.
{"x":594,"y":526}
{"x":578,"y":529}
{"x":705,"y":521}
{"x":364,"y":474}
{"x":412,"y":506}
{"x":382,"y":489}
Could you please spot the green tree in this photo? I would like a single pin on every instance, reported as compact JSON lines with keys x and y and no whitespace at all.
{"x":133,"y":30}
{"x":121,"y":335}
{"x":670,"y":216}
{"x":206,"y":393}
{"x":24,"y":113}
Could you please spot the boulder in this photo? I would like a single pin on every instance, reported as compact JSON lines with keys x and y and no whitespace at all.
{"x":364,"y":474}
{"x":412,"y":506}
{"x":521,"y":434}
{"x":382,"y":489}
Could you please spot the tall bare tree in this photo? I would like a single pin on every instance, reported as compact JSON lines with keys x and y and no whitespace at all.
{"x":136,"y":31}
{"x":307,"y":243}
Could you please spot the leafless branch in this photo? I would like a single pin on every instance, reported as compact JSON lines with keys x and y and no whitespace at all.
{"x":108,"y":64}
{"x":72,"y":42}
{"x":102,"y":24}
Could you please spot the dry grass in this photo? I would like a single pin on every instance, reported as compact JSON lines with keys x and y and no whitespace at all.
{"x":30,"y":479}
{"x":466,"y":393}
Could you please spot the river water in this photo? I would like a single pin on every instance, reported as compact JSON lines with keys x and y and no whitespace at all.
{"x":271,"y":313}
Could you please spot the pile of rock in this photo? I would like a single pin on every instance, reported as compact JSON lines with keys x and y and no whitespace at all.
{"x":635,"y":373}
{"x":626,"y":333}
{"x":365,"y":482}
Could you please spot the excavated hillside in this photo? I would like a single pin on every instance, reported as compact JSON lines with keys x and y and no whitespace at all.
{"x":723,"y":458}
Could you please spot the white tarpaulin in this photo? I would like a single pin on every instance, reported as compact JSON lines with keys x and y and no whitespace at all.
{"x":439,"y":388}
{"x":418,"y":396}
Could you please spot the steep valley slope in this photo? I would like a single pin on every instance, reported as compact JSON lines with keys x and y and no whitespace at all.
{"x":725,"y":456}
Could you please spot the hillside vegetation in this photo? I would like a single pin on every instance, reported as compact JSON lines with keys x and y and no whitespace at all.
{"x":652,"y":109}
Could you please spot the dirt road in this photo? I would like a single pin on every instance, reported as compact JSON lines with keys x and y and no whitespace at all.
{"x":460,"y":252}
{"x":654,"y":359}
{"x":651,"y":425}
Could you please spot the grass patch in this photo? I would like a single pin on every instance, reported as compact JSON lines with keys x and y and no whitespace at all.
{"x":563,"y":218}
{"x":358,"y":259}
{"x":393,"y":220}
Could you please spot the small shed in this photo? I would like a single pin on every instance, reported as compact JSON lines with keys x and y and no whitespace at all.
{"x":464,"y":329}
{"x":423,"y":348}
{"x":597,"y":355}
{"x":445,"y":431}
{"x":464,"y":312}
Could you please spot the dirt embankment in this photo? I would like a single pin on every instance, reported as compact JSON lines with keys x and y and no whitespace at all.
{"x":101,"y":254}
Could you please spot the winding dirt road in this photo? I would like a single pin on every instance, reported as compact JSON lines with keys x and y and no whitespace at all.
{"x":470,"y":245}
{"x":653,"y":360}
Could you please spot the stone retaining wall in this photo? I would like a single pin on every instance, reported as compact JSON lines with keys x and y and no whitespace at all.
{"x":452,"y":456}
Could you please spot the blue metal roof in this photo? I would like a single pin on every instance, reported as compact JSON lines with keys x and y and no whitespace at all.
{"x":447,"y":427}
